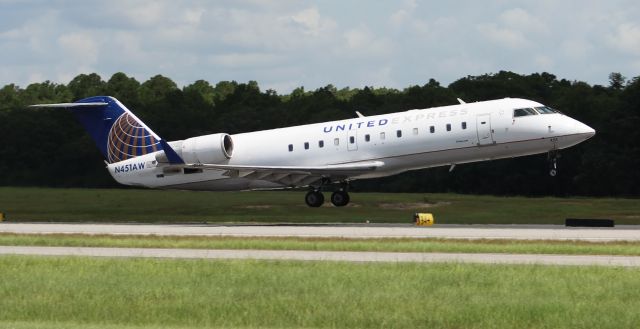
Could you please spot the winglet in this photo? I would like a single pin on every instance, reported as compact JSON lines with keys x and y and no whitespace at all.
{"x":171,"y":154}
{"x":461,"y":101}
{"x":360,"y":115}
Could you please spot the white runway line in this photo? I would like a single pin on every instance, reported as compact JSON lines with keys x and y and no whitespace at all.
{"x":347,"y":256}
{"x":516,"y":232}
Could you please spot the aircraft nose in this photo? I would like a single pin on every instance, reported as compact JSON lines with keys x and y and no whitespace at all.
{"x":585,"y":130}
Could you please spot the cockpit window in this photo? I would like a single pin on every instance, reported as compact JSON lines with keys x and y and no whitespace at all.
{"x":524,"y":112}
{"x":546,"y":110}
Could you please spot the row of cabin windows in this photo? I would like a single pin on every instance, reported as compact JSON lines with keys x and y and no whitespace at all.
{"x":367,"y":137}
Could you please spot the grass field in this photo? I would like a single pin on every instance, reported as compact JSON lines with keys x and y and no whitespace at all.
{"x":130,"y":205}
{"x":330,"y":244}
{"x":52,"y":292}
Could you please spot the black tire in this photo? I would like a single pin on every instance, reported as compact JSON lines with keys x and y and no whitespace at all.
{"x":340,"y":198}
{"x":314,"y":199}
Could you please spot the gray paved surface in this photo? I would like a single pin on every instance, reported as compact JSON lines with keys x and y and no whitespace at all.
{"x":625,"y":261}
{"x":520,"y":232}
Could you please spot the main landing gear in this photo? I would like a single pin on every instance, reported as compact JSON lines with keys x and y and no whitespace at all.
{"x":339,"y":198}
{"x":314,"y":198}
{"x":552,"y":159}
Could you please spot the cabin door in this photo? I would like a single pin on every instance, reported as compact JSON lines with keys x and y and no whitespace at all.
{"x":485,"y":133}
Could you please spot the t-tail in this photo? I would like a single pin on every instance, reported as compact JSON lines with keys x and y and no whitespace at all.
{"x":117,"y":132}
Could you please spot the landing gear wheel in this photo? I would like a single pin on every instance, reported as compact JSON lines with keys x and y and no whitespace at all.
{"x":314,"y":199}
{"x":340,"y":198}
{"x":553,"y":167}
{"x":553,"y":163}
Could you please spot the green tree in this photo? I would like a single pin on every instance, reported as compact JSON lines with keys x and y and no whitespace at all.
{"x":156,"y":89}
{"x":202,"y":90}
{"x":124,"y":88}
{"x":87,"y":85}
{"x":616,"y":81}
{"x":9,"y":97}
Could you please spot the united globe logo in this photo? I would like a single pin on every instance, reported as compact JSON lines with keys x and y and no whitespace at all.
{"x":128,"y":139}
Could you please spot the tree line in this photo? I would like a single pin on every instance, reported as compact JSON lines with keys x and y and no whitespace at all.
{"x":47,"y":147}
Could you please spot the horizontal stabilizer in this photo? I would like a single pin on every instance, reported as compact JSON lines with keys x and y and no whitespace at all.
{"x":70,"y":105}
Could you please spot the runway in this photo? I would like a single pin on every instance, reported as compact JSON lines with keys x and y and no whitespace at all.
{"x":354,"y":231}
{"x":301,"y":255}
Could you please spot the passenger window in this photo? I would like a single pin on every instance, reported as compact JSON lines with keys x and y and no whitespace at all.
{"x":382,"y":136}
{"x":367,"y":138}
{"x":464,"y":125}
{"x":415,"y":131}
{"x":306,"y":145}
{"x":336,"y":141}
{"x":432,"y":129}
{"x":399,"y":133}
{"x":290,"y":147}
{"x":320,"y":144}
{"x":352,"y":139}
{"x":448,"y":127}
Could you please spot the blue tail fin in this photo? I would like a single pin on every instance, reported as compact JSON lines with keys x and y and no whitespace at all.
{"x":119,"y":134}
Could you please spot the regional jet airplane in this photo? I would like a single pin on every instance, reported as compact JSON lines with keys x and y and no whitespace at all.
{"x":326,"y":154}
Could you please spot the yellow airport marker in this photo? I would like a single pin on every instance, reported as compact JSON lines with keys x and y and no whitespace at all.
{"x":423,"y":219}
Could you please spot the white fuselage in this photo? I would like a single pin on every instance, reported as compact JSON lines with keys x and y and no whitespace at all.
{"x":403,"y":141}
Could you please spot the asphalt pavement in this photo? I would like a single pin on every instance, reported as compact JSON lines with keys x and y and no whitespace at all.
{"x":516,"y":232}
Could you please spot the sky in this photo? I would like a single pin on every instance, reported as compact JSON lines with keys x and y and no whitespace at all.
{"x":287,"y":44}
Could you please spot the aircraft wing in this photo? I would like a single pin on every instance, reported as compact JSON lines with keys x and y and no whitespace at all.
{"x":294,"y":175}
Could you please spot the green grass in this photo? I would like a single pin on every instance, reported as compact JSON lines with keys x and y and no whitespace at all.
{"x":130,"y":205}
{"x":77,"y":292}
{"x":330,"y":244}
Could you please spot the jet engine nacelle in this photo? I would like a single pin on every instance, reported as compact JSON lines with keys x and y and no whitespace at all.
{"x":216,"y":148}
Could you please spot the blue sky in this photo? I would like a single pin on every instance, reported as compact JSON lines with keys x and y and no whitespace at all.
{"x":286,"y":44}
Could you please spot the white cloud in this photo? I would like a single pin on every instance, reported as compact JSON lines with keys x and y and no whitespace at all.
{"x":312,"y":23}
{"x":626,"y":38}
{"x":404,"y":14}
{"x":576,"y":48}
{"x":309,"y":19}
{"x":144,"y":13}
{"x":506,"y":37}
{"x":79,"y":46}
{"x":405,"y":18}
{"x":35,"y":77}
{"x":193,"y":16}
{"x":399,"y":17}
{"x":543,"y":63}
{"x":518,"y":18}
{"x":379,"y":77}
{"x":245,"y":60}
{"x":515,"y":28}
{"x":128,"y":46}
{"x":361,"y":40}
{"x":286,"y":44}
{"x":358,"y":38}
